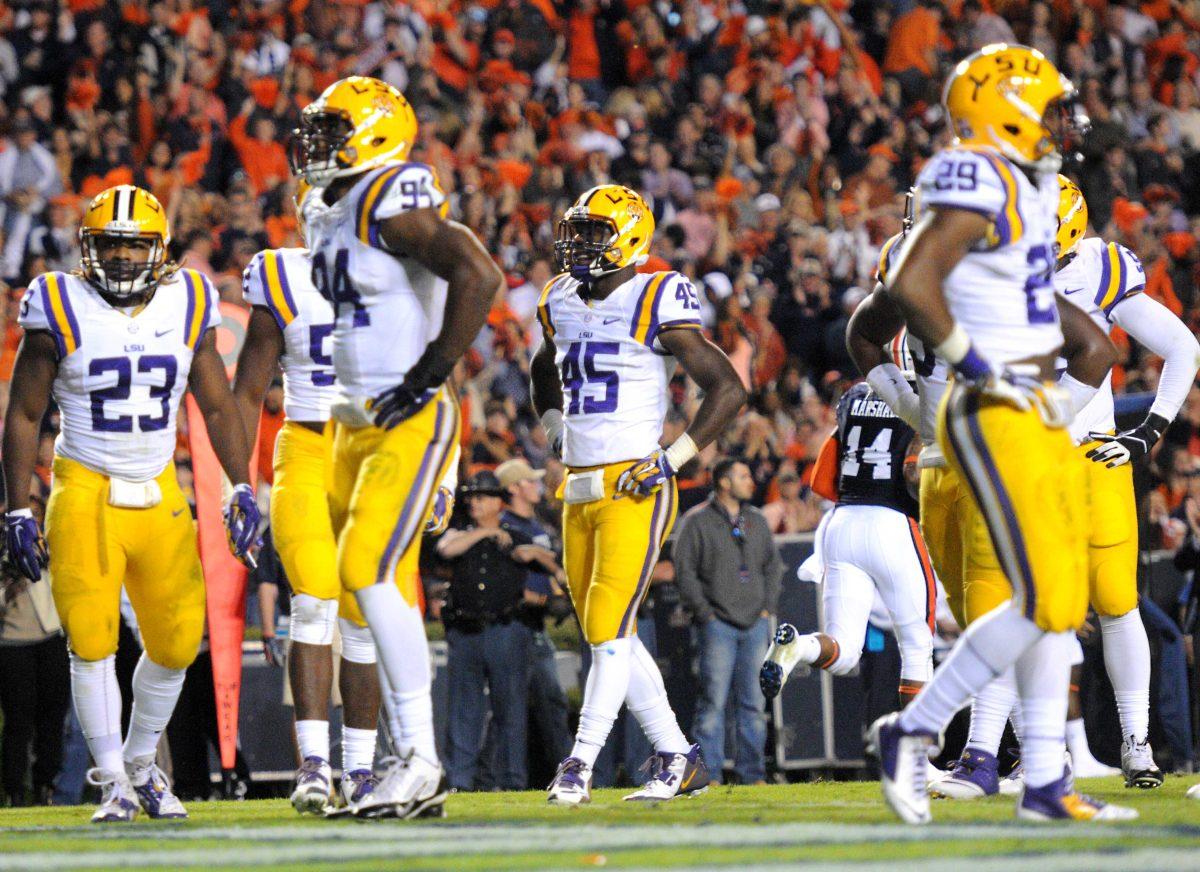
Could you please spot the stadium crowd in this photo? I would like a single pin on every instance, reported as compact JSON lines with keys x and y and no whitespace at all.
{"x":773,"y":138}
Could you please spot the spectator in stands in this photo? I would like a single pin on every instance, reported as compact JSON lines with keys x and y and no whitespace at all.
{"x":729,"y":575}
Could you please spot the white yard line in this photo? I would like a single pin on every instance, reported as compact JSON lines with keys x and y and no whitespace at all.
{"x":292,"y":844}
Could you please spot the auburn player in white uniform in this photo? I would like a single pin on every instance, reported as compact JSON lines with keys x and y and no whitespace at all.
{"x":612,"y":339}
{"x":116,"y":345}
{"x":410,"y":291}
{"x":974,"y":281}
{"x":1106,"y":281}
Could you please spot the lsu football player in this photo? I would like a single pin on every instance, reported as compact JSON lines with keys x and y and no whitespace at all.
{"x":956,"y":534}
{"x":975,"y":284}
{"x":116,"y":344}
{"x":600,"y":384}
{"x":291,"y":326}
{"x":1106,"y":281}
{"x":410,"y":291}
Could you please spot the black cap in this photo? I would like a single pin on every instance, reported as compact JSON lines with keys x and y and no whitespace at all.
{"x":483,"y":483}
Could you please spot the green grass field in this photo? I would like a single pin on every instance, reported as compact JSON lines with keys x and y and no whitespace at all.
{"x":837,"y":825}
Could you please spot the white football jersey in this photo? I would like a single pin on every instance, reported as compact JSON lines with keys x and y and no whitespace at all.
{"x":933,"y":373}
{"x":1096,"y":279}
{"x":120,"y":376}
{"x":614,"y":370}
{"x":280,"y":280}
{"x":1002,"y":292}
{"x":387,"y":307}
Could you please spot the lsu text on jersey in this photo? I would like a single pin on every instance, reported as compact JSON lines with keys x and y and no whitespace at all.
{"x":1019,"y":466}
{"x":116,"y":514}
{"x":387,"y":309}
{"x":280,"y":281}
{"x":615,"y":376}
{"x":1098,"y":277}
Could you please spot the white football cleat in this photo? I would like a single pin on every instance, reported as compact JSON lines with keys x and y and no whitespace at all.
{"x":1137,"y":764}
{"x":412,"y":787}
{"x":781,"y":659}
{"x":117,"y":802}
{"x":1193,"y":792}
{"x":153,"y":789}
{"x":903,"y":764}
{"x":313,"y":792}
{"x":673,"y":775}
{"x":572,"y":784}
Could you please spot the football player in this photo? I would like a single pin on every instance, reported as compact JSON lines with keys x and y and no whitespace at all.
{"x":410,"y":291}
{"x":291,"y":326}
{"x":975,"y":283}
{"x":116,"y":344}
{"x":612,"y":338}
{"x":870,"y":544}
{"x":955,"y":532}
{"x":1106,"y":281}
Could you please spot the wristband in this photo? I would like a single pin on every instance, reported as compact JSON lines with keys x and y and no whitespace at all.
{"x":681,"y":451}
{"x":552,"y":423}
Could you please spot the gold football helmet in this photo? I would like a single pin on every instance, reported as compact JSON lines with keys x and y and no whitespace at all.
{"x":607,"y":229}
{"x":1072,"y":216}
{"x":357,"y":124}
{"x":1013,"y":98}
{"x":123,"y":241}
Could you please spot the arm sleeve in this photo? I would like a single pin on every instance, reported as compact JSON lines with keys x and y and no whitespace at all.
{"x":1121,"y":277}
{"x":401,"y":188}
{"x":1153,"y":325}
{"x":686,"y":555}
{"x":668,"y":302}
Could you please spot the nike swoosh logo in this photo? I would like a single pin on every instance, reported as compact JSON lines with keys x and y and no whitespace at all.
{"x":685,"y":784}
{"x":160,"y":333}
{"x":1074,"y":291}
{"x":176,"y":513}
{"x":608,"y":321}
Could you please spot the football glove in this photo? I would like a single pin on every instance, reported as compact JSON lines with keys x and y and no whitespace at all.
{"x":25,"y":546}
{"x":1130,"y":445}
{"x":398,"y":404}
{"x":242,"y":520}
{"x":443,"y":507}
{"x":274,"y":650}
{"x":646,"y":476}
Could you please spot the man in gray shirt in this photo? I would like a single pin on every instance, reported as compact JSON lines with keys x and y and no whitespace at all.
{"x":729,"y":573}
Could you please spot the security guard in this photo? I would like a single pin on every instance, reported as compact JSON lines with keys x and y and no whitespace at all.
{"x":488,"y":645}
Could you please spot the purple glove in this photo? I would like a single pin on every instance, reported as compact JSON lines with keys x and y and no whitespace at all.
{"x":646,"y":476}
{"x":439,"y":517}
{"x":24,"y":542}
{"x":242,"y":520}
{"x":398,"y":404}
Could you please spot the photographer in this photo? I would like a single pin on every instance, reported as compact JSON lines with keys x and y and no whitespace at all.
{"x":487,"y":643}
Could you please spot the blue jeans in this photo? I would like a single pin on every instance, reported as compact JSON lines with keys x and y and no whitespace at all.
{"x":729,"y":660}
{"x":496,"y":658}
{"x":1171,"y":696}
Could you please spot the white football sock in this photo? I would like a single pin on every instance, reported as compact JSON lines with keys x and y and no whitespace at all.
{"x":312,"y":738}
{"x":358,"y":749}
{"x":647,"y":701}
{"x":605,"y":689}
{"x":1077,"y":744}
{"x":1043,"y":677}
{"x":808,"y":648}
{"x":403,"y":653}
{"x":1127,"y":661}
{"x":990,"y":712}
{"x":984,"y":651}
{"x":97,"y":701}
{"x":1018,"y":718}
{"x":155,"y":691}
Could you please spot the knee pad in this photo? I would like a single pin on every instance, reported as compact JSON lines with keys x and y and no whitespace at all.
{"x":312,"y":619}
{"x":916,"y":652}
{"x":358,"y":646}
